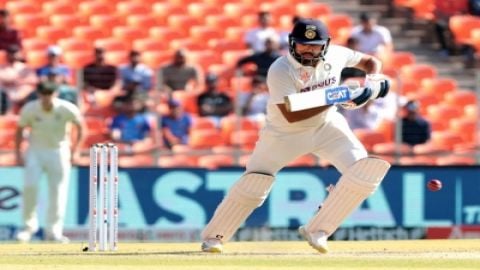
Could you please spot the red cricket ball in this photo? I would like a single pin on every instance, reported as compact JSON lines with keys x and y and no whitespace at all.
{"x":434,"y":185}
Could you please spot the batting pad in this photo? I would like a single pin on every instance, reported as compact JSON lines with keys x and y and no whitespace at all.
{"x":355,"y":185}
{"x":248,"y":193}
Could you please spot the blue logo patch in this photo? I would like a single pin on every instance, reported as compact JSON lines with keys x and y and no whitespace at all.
{"x":337,"y":95}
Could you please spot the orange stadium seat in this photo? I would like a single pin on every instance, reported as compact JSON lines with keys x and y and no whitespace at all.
{"x":162,"y":10}
{"x":22,"y":7}
{"x":417,"y":160}
{"x":205,"y":138}
{"x":77,"y":59}
{"x":224,"y":149}
{"x":34,"y":43}
{"x":188,"y":44}
{"x":117,"y":58}
{"x":408,"y":87}
{"x":426,"y":100}
{"x":36,"y":59}
{"x":204,"y":34}
{"x":430,"y":148}
{"x":177,"y":161}
{"x":165,"y":33}
{"x":461,"y":98}
{"x":224,"y":44}
{"x":52,"y":33}
{"x":455,"y":160}
{"x":128,"y":33}
{"x":398,"y":59}
{"x":229,"y":124}
{"x":215,"y":161}
{"x":443,"y":112}
{"x":242,"y":83}
{"x":438,"y":86}
{"x":238,"y":9}
{"x":188,"y":101}
{"x":470,"y":111}
{"x":232,"y":57}
{"x":27,"y":24}
{"x":204,"y":59}
{"x":312,"y":9}
{"x":89,"y":33}
{"x":143,"y":21}
{"x":236,"y":33}
{"x":155,"y":59}
{"x":8,"y":123}
{"x":3,"y":57}
{"x":277,"y":9}
{"x":250,"y":21}
{"x":67,"y":21}
{"x":465,"y":127}
{"x":475,"y":35}
{"x":128,"y":8}
{"x":112,"y":44}
{"x":75,"y":44}
{"x":58,"y":7}
{"x":438,"y":124}
{"x":106,"y":21}
{"x":8,"y":159}
{"x":246,"y":139}
{"x":200,"y":10}
{"x":182,"y":22}
{"x":462,"y":26}
{"x":391,"y":148}
{"x":369,"y":137}
{"x":222,"y":22}
{"x":137,"y":160}
{"x":149,"y":44}
{"x":203,"y":123}
{"x":90,"y":8}
{"x":447,"y":139}
{"x":418,"y":72}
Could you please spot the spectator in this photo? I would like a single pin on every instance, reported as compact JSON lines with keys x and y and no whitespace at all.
{"x":255,"y":38}
{"x":178,"y":75}
{"x":17,"y":81}
{"x":284,"y":34}
{"x":175,"y":125}
{"x":372,"y":38}
{"x":444,"y":9}
{"x":351,"y":72}
{"x":264,"y":59}
{"x":212,"y":102}
{"x":64,"y":91}
{"x":474,"y":7}
{"x":98,"y":74}
{"x":49,"y":152}
{"x":415,"y":129}
{"x":135,"y":68}
{"x":131,"y":125}
{"x":8,"y":36}
{"x":254,"y":103}
{"x":54,"y":64}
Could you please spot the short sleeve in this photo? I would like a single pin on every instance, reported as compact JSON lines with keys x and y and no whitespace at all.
{"x":280,"y":83}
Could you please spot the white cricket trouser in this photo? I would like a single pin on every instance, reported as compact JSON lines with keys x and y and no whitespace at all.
{"x":55,"y":163}
{"x":333,"y":140}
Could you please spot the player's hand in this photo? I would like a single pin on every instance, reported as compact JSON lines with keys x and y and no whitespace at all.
{"x":359,"y":97}
{"x":379,"y":84}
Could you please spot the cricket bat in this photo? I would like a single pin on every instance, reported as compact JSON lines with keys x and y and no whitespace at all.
{"x":316,"y":98}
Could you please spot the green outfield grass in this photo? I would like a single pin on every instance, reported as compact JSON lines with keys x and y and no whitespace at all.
{"x":423,"y":254}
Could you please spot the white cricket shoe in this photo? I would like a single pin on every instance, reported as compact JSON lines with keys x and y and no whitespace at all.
{"x":24,"y":235}
{"x":317,"y":240}
{"x":62,"y":239}
{"x":212,"y":245}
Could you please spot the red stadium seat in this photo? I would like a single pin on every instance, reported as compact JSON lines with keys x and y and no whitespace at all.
{"x":177,"y":161}
{"x":215,"y":161}
{"x":34,"y":43}
{"x":90,"y":8}
{"x":312,"y":9}
{"x":306,"y":160}
{"x":22,"y":7}
{"x":155,"y":59}
{"x":203,"y":139}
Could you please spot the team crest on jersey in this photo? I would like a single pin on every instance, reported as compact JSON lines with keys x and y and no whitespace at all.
{"x":305,"y":76}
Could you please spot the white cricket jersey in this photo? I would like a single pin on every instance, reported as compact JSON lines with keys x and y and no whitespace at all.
{"x":48,"y":129}
{"x":287,"y":76}
{"x":371,"y":42}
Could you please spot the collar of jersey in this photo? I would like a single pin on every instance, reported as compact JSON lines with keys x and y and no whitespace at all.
{"x":296,"y":64}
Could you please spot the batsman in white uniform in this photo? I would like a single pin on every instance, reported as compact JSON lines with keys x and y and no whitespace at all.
{"x":311,"y":65}
{"x":49,"y":151}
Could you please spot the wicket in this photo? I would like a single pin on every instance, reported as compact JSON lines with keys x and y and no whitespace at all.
{"x":103,"y":167}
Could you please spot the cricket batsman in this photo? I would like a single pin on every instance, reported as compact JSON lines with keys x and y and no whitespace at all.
{"x":312,"y":64}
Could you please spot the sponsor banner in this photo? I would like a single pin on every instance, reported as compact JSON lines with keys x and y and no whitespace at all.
{"x":455,"y":232}
{"x":185,"y":199}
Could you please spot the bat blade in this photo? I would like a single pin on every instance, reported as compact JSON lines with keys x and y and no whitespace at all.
{"x":317,"y":98}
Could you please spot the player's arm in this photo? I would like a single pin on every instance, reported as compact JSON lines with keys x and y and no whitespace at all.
{"x":80,"y":131}
{"x":370,"y":64}
{"x":300,"y":115}
{"x":18,"y":143}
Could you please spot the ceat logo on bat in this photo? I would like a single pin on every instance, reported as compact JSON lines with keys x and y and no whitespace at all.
{"x":337,"y":95}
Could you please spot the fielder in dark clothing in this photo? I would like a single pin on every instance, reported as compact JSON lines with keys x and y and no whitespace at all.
{"x":415,"y":129}
{"x":264,"y":59}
